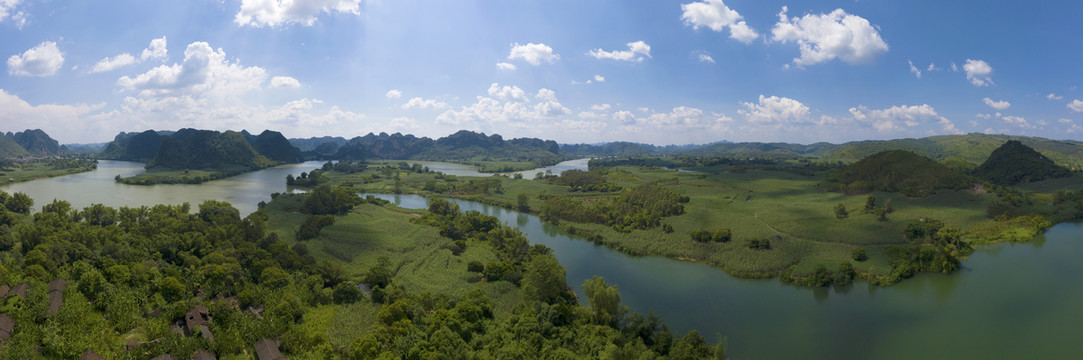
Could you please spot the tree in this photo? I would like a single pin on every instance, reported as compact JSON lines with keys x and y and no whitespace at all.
{"x":870,"y":203}
{"x":524,"y":203}
{"x":19,"y":203}
{"x":859,"y":254}
{"x":544,"y":279}
{"x":379,"y":275}
{"x":840,"y":211}
{"x":604,"y":301}
{"x":327,"y":200}
{"x":701,"y":236}
{"x":722,"y":235}
{"x":845,"y":274}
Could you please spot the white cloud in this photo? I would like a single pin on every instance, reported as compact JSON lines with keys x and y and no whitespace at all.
{"x":932,"y":67}
{"x":599,"y":78}
{"x":1053,"y":96}
{"x":42,"y":60}
{"x":393,"y":94}
{"x":508,"y":105}
{"x":273,"y":13}
{"x":424,"y":104}
{"x":715,"y":15}
{"x":999,"y":105}
{"x":110,"y":64}
{"x":533,"y":53}
{"x":284,"y":82}
{"x":824,"y":37}
{"x":1064,"y":121}
{"x":776,"y":110}
{"x":156,"y":50}
{"x":978,"y":72}
{"x":706,"y":58}
{"x":895,"y":117}
{"x":64,"y":122}
{"x":404,"y":123}
{"x":914,"y":69}
{"x":636,"y":52}
{"x":8,"y":11}
{"x":1076,"y":105}
{"x":1017,"y":121}
{"x":203,"y":72}
{"x":506,"y":66}
{"x":954,"y":68}
{"x":601,"y":107}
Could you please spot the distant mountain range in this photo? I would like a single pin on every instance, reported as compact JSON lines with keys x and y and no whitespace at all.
{"x":28,"y":143}
{"x":462,"y":146}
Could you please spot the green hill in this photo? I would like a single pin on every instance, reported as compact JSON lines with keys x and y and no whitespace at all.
{"x":37,"y":142}
{"x":10,"y":149}
{"x":205,"y":149}
{"x":1014,"y":163}
{"x":463,"y":146}
{"x":141,"y":147}
{"x":274,"y":146}
{"x":974,"y":148}
{"x":898,"y":171}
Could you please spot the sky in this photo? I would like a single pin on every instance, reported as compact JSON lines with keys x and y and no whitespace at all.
{"x":576,"y":71}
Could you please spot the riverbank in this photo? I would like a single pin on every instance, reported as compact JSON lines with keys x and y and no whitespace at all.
{"x":12,"y":173}
{"x":166,"y":176}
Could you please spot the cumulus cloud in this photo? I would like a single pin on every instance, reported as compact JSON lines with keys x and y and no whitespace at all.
{"x":42,"y":60}
{"x":775,"y":109}
{"x":914,"y":69}
{"x":284,"y":82}
{"x":506,"y":66}
{"x":599,"y":78}
{"x":533,"y":53}
{"x":895,"y":117}
{"x":274,"y":13}
{"x":393,"y":94}
{"x":8,"y":11}
{"x":420,"y":103}
{"x":978,"y":72}
{"x":404,"y":123}
{"x":204,"y":71}
{"x":825,"y":37}
{"x":155,"y":51}
{"x":705,"y":58}
{"x":113,"y":63}
{"x":64,"y":122}
{"x":509,"y":105}
{"x":1076,"y":105}
{"x":1053,"y":96}
{"x":636,"y":52}
{"x":999,"y":105}
{"x":715,"y":15}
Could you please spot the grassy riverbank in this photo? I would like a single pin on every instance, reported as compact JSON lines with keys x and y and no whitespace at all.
{"x":161,"y":175}
{"x":791,"y":209}
{"x":11,"y":173}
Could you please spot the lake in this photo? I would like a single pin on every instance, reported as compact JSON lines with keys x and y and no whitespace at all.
{"x":1009,"y":301}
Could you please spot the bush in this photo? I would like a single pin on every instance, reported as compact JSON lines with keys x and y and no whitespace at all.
{"x":859,"y":254}
{"x":347,"y":292}
{"x":475,"y":266}
{"x":722,"y":235}
{"x":701,"y":236}
{"x":759,"y":244}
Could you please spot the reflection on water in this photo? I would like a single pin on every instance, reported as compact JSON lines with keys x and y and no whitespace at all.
{"x":244,"y":191}
{"x":1012,"y":301}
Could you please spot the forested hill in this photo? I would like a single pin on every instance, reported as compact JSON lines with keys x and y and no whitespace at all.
{"x":461,"y":146}
{"x":221,"y":149}
{"x":205,"y":149}
{"x":36,"y":142}
{"x":971,"y":148}
{"x":898,"y":171}
{"x":10,"y":149}
{"x":1014,"y":163}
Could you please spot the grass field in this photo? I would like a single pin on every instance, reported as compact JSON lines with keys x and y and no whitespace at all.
{"x":794,"y":212}
{"x":15,"y":173}
{"x":420,"y":261}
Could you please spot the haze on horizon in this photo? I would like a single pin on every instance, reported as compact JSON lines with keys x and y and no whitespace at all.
{"x":659,"y":72}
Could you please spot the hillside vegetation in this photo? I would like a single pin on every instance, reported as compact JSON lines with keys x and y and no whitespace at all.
{"x":898,"y":171}
{"x":1014,"y":163}
{"x":10,"y":149}
{"x":205,"y":149}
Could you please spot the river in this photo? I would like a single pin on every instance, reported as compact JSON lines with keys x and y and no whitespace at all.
{"x":1008,"y":301}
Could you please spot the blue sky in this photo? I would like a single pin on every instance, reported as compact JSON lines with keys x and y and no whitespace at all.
{"x":657,"y":71}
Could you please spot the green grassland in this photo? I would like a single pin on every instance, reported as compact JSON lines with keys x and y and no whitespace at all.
{"x":795,"y":212}
{"x":161,"y":175}
{"x":420,"y":261}
{"x":14,"y":172}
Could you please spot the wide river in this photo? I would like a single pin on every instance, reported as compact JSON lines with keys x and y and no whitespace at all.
{"x":1010,"y":301}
